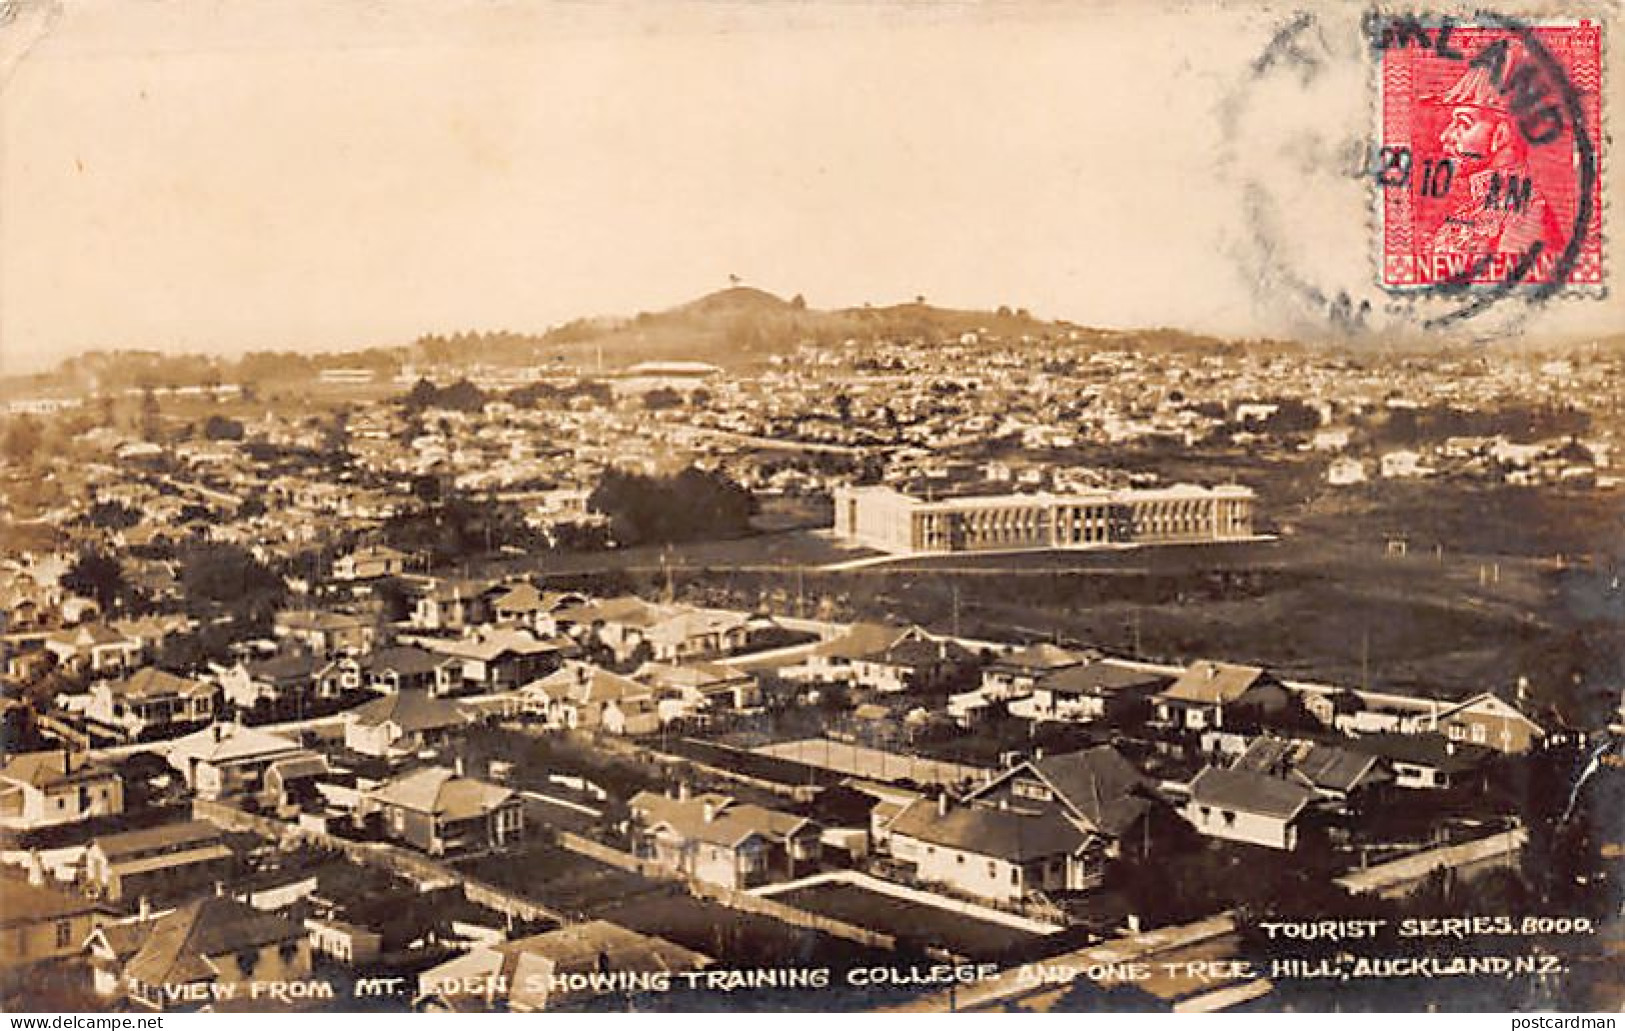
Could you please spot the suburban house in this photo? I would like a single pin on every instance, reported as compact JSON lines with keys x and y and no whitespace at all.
{"x":226,"y":760}
{"x":411,"y":668}
{"x":685,"y":634}
{"x":1425,"y":761}
{"x":453,"y":605}
{"x":525,"y":605}
{"x":915,"y":663}
{"x":1334,"y":773}
{"x":576,"y":696}
{"x":440,"y":811}
{"x":39,"y":923}
{"x":1210,"y":693}
{"x":553,"y":970}
{"x":151,"y":701}
{"x":95,"y":648}
{"x":1088,"y":691}
{"x":402,"y":723}
{"x":49,"y":789}
{"x":290,"y":676}
{"x":1483,"y":720}
{"x":328,"y":632}
{"x":714,"y":839}
{"x":1016,"y":674}
{"x":167,"y":861}
{"x":698,"y":686}
{"x":834,"y":660}
{"x":1046,"y":824}
{"x":1255,"y":808}
{"x":369,"y":563}
{"x":206,"y":954}
{"x":497,"y":659}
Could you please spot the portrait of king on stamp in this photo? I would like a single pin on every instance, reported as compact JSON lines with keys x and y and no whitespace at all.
{"x":1489,"y":158}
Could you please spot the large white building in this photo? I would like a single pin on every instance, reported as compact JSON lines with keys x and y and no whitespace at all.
{"x":889,"y":520}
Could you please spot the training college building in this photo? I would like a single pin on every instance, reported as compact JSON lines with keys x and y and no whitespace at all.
{"x":889,"y":520}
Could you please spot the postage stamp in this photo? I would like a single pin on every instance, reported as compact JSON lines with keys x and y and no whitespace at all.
{"x":1489,"y":160}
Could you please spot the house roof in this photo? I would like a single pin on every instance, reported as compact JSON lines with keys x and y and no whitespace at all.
{"x":229,"y":742}
{"x":600,"y":945}
{"x":437,"y":790}
{"x":730,"y":824}
{"x":24,"y":903}
{"x":521,"y":598}
{"x":697,"y":675}
{"x":1038,"y":659}
{"x":1490,"y":705}
{"x":287,"y":667}
{"x":125,"y":938}
{"x":405,"y":659}
{"x":1246,"y":791}
{"x":584,"y":684}
{"x":914,"y":652}
{"x":1101,"y":787}
{"x":169,"y":835}
{"x":411,"y":711}
{"x":986,"y":830}
{"x":59,"y":766}
{"x":492,"y":644}
{"x":180,"y":946}
{"x":1432,"y":750}
{"x":170,"y":860}
{"x":864,"y":639}
{"x":1214,"y":683}
{"x":1100,"y":678}
{"x":153,"y":682}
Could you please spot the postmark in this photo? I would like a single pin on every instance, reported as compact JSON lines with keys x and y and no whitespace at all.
{"x":1411,"y":176}
{"x":1487,"y":163}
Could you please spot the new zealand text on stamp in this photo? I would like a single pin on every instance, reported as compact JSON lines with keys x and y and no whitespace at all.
{"x":1489,"y":155}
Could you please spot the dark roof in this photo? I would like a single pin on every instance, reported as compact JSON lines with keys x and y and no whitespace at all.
{"x":915,"y":652}
{"x":294,"y":665}
{"x":1038,"y":659}
{"x":1324,"y":766}
{"x":989,"y":831}
{"x":1246,"y":791}
{"x":177,"y":951}
{"x":1099,"y":784}
{"x":1101,"y":678}
{"x":1433,"y":750}
{"x":405,"y":659}
{"x":169,"y":835}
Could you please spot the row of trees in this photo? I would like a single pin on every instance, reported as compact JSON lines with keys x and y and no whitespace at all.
{"x":695,"y":504}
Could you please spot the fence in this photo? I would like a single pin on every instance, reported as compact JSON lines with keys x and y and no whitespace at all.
{"x":392,"y":858}
{"x":743,"y":901}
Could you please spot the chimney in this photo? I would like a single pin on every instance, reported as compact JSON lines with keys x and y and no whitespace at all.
{"x":219,"y":732}
{"x":682,"y":791}
{"x":710,"y":812}
{"x":144,"y":909}
{"x":458,"y":766}
{"x":1038,"y":754}
{"x":942,"y":804}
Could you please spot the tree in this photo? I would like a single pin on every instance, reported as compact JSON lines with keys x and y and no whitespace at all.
{"x":22,"y":440}
{"x":96,"y":574}
{"x":218,"y":427}
{"x":151,"y":416}
{"x":112,"y":515}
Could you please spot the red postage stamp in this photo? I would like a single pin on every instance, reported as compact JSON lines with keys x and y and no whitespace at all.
{"x":1490,"y":154}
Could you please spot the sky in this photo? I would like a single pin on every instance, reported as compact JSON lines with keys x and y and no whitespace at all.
{"x":230,"y":175}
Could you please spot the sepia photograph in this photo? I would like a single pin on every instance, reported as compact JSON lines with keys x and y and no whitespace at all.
{"x":844,"y":506}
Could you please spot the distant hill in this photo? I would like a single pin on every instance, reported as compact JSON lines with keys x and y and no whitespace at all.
{"x":736,"y":327}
